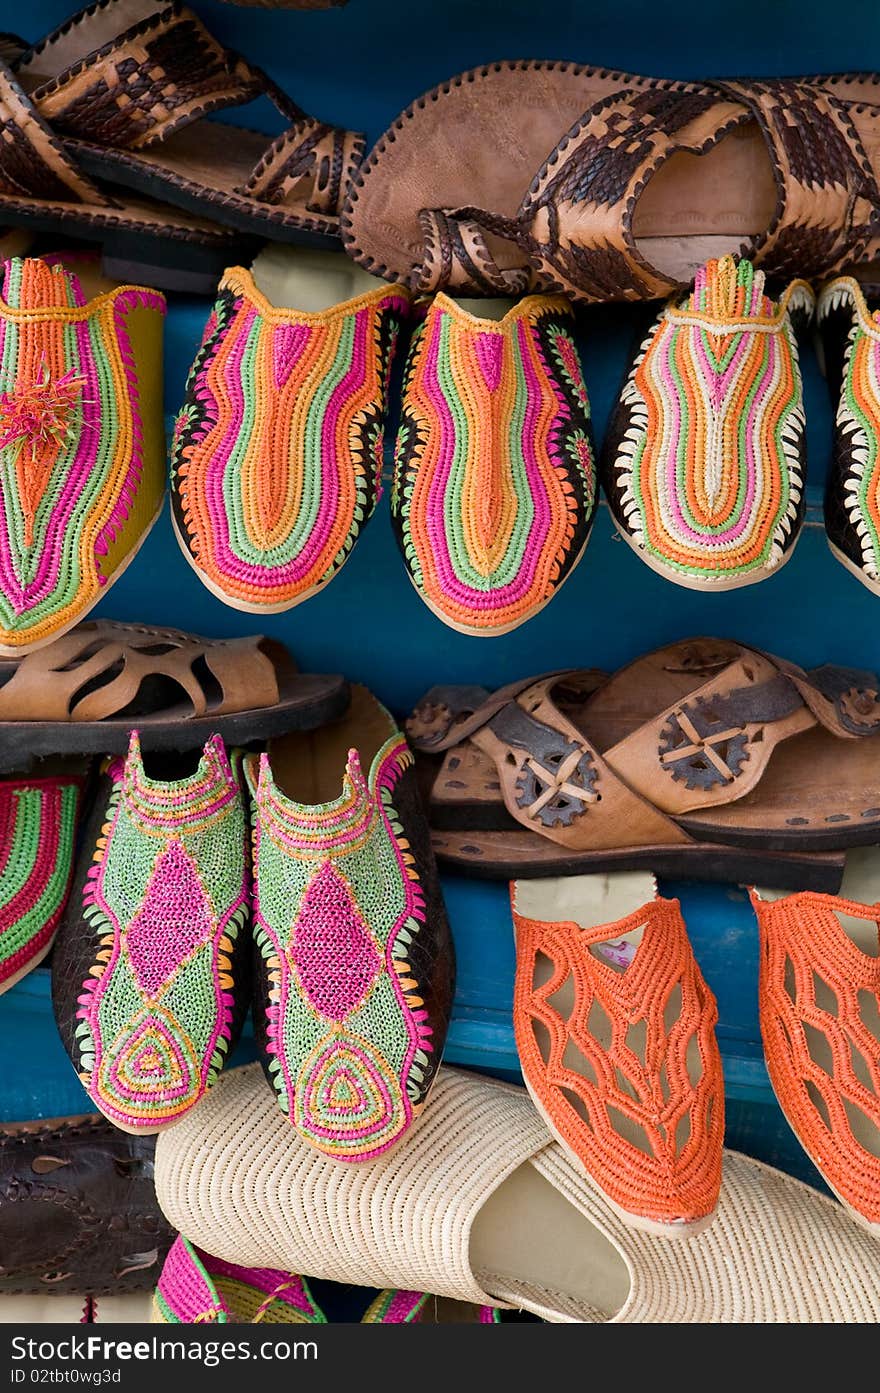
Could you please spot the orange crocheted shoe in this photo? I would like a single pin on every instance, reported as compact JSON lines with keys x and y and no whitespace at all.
{"x":820,"y":1020}
{"x":615,"y":1029}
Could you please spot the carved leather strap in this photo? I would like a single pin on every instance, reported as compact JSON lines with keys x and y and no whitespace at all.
{"x":828,"y":192}
{"x":32,"y":162}
{"x":97,"y":670}
{"x":457,"y":257}
{"x":137,"y":87}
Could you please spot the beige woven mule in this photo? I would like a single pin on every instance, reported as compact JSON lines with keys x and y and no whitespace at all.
{"x":482,"y":1205}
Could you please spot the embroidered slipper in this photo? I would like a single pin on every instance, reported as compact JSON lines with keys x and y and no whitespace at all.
{"x":615,"y":1030}
{"x":494,"y":481}
{"x":195,"y":1288}
{"x":848,"y":319}
{"x":704,"y":461}
{"x":277,"y":453}
{"x":38,"y":819}
{"x":704,"y":759}
{"x":355,"y":969}
{"x":150,"y":973}
{"x":79,"y":1211}
{"x":488,"y":1208}
{"x":606,"y":186}
{"x":820,"y":1020}
{"x":83,"y":693}
{"x":126,"y":85}
{"x":82,"y":443}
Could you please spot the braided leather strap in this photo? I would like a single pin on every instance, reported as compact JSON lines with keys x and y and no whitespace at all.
{"x":458,"y":259}
{"x":32,"y":162}
{"x":310,"y":153}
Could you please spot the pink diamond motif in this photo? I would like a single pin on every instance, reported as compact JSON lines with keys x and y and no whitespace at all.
{"x":332,"y":951}
{"x":173,"y":920}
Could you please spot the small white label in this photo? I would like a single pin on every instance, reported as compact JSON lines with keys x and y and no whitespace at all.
{"x":620,"y":953}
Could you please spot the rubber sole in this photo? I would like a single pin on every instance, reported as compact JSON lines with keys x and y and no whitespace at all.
{"x":315,"y":704}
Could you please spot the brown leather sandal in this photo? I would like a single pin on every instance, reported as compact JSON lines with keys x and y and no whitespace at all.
{"x":125,"y":86}
{"x":83,"y":693}
{"x":705,"y":759}
{"x":42,"y":188}
{"x":495,"y":182}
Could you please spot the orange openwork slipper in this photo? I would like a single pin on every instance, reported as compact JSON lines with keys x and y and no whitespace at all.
{"x":820,"y":1020}
{"x":615,"y":1029}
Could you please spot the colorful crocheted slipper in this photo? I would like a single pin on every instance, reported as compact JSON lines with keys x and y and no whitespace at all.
{"x":195,"y":1288}
{"x":848,"y":319}
{"x":277,"y":454}
{"x":615,"y":1029}
{"x":820,"y":1019}
{"x":482,"y":1205}
{"x":150,"y":971}
{"x":83,"y":693}
{"x":356,"y":969}
{"x":703,"y":464}
{"x":37,"y":829}
{"x":494,"y":483}
{"x":82,"y":444}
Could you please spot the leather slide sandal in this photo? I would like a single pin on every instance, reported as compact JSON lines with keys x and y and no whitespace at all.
{"x":44,"y":189}
{"x":85,"y":692}
{"x":495,"y":177}
{"x":125,"y":86}
{"x":704,"y":759}
{"x":482,"y":1205}
{"x":78,"y":1211}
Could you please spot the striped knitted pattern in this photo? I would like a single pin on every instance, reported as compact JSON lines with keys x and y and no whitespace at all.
{"x":277,"y":452}
{"x":81,"y":473}
{"x":338,"y":906}
{"x":494,"y":485}
{"x":707,"y":475}
{"x":37,"y":826}
{"x":858,"y":419}
{"x":165,"y":899}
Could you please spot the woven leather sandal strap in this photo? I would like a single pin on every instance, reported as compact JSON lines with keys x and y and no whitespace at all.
{"x":579,"y":210}
{"x":310,"y":162}
{"x":458,"y":259}
{"x":828,"y":193}
{"x":32,"y":162}
{"x":133,"y":86}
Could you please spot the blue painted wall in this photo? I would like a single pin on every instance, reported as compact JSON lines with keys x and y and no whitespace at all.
{"x":359,"y":66}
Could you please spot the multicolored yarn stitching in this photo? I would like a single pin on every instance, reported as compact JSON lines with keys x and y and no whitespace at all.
{"x":337,"y":905}
{"x":81,"y":470}
{"x":708,"y":472}
{"x":196,"y":1288}
{"x":277,"y":452}
{"x":858,"y":414}
{"x":167,"y":897}
{"x":494,"y":482}
{"x":37,"y":827}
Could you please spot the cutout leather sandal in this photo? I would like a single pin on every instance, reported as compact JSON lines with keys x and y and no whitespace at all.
{"x":607,"y":186}
{"x":38,"y":823}
{"x":355,"y":969}
{"x":494,"y":481}
{"x":277,"y":454}
{"x":125,"y":86}
{"x":150,"y":973}
{"x":820,"y":1021}
{"x":705,"y":759}
{"x":704,"y":461}
{"x":615,"y":1030}
{"x":79,"y":1211}
{"x":85,"y":692}
{"x":196,"y":1288}
{"x":488,"y":1208}
{"x":848,"y":320}
{"x":82,"y":442}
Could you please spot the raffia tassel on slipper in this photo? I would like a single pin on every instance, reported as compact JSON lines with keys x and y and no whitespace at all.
{"x":489,"y":1209}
